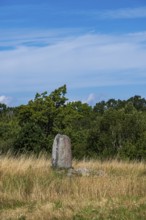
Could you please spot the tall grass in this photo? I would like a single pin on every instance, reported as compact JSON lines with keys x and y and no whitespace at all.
{"x":30,"y":189}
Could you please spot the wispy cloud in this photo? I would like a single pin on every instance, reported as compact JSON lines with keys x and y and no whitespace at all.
{"x":120,"y":13}
{"x":91,"y":99}
{"x":124,"y":13}
{"x":84,"y":61}
{"x":36,"y":38}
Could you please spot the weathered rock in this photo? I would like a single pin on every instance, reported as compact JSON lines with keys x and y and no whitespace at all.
{"x":61,"y":152}
{"x":85,"y":172}
{"x":78,"y":172}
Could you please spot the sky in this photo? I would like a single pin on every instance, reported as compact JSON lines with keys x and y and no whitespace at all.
{"x":96,"y":47}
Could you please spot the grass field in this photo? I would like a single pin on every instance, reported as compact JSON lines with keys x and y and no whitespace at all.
{"x":30,"y":189}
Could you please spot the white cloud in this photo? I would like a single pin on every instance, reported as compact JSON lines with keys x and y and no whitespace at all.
{"x":4,"y":99}
{"x":25,"y":36}
{"x":83,"y":61}
{"x":126,"y":13}
{"x":121,"y":13}
{"x":90,"y":99}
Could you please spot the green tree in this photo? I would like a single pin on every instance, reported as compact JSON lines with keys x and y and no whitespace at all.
{"x":37,"y":121}
{"x":9,"y":128}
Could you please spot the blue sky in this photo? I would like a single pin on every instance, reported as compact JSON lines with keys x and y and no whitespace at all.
{"x":96,"y":47}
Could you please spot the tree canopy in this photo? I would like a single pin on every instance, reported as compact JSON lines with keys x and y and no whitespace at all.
{"x":110,"y":129}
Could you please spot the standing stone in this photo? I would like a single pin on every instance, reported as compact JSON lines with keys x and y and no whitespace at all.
{"x":61,"y":152}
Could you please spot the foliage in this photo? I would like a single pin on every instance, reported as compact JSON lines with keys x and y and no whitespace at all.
{"x":113,"y":128}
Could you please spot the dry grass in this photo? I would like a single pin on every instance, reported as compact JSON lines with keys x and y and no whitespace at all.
{"x":30,"y":189}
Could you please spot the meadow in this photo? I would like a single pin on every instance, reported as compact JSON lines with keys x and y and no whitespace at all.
{"x":31,"y":190}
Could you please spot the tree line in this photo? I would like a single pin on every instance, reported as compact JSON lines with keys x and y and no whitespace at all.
{"x":109,"y":129}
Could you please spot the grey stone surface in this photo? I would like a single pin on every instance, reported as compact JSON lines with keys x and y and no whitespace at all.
{"x":61,"y":152}
{"x":85,"y":172}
